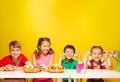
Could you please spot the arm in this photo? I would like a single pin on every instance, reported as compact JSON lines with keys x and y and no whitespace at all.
{"x":108,"y":64}
{"x":79,"y":57}
{"x":28,"y":63}
{"x":51,"y":59}
{"x":85,"y":59}
{"x":60,"y":59}
{"x":34,"y":60}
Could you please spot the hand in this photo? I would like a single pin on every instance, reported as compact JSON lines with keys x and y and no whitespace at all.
{"x":28,"y":63}
{"x":9,"y":68}
{"x":78,"y":56}
{"x":1,"y":68}
{"x":107,"y":54}
{"x":87,"y":53}
{"x":44,"y":67}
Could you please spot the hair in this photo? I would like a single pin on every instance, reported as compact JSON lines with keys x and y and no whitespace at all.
{"x":99,"y":47}
{"x":15,"y":44}
{"x":69,"y":46}
{"x":40,"y":43}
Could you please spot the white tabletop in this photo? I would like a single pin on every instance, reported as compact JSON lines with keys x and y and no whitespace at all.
{"x":94,"y":73}
{"x":67,"y":74}
{"x":42,"y":74}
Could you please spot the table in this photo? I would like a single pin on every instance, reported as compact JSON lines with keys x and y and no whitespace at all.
{"x":42,"y":74}
{"x":71,"y":73}
{"x":95,"y":73}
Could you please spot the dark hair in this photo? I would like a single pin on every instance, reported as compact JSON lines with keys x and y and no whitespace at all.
{"x":15,"y":44}
{"x":99,"y":47}
{"x":40,"y":43}
{"x":69,"y":46}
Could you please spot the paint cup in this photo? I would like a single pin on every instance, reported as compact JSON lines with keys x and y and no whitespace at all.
{"x":79,"y":67}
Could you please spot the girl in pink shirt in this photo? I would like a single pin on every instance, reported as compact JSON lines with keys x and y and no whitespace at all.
{"x":96,"y":61}
{"x":43,"y":56}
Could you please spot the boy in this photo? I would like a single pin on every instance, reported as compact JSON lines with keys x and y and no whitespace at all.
{"x":15,"y":60}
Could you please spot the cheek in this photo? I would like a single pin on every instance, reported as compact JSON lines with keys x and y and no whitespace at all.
{"x":11,"y":52}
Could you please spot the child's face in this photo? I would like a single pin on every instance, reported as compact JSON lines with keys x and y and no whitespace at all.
{"x":45,"y":47}
{"x":15,"y":52}
{"x":69,"y":53}
{"x":96,"y":54}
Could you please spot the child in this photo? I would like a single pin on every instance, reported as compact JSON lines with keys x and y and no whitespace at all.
{"x":96,"y":62}
{"x":43,"y":56}
{"x":68,"y":62}
{"x":15,"y":60}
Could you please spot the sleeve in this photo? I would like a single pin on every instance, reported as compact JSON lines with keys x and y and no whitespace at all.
{"x":23,"y":60}
{"x":2,"y":62}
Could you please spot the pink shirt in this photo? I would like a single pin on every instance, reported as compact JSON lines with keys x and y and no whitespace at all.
{"x":43,"y":59}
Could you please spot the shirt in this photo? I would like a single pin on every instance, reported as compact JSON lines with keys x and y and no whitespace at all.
{"x":92,"y":67}
{"x":9,"y":60}
{"x":43,"y":59}
{"x":69,"y":65}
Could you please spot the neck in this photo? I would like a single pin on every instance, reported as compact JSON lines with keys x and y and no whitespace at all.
{"x":43,"y":53}
{"x":68,"y":60}
{"x":96,"y":62}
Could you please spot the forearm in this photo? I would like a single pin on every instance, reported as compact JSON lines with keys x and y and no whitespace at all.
{"x":85,"y":62}
{"x":60,"y":60}
{"x":109,"y":63}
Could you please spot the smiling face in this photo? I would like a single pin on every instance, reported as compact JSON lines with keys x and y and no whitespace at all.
{"x":69,"y":53}
{"x":15,"y":49}
{"x":15,"y":52}
{"x":44,"y":47}
{"x":96,"y":54}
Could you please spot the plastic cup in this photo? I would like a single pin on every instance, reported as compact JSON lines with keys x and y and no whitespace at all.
{"x":79,"y":67}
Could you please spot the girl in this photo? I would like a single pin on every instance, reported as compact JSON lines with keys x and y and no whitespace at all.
{"x":68,"y":62}
{"x":43,"y":56}
{"x":96,"y":62}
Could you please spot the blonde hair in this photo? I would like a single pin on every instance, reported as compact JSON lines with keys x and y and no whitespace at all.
{"x":15,"y":44}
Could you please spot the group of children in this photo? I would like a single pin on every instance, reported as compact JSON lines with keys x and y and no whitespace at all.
{"x":44,"y":55}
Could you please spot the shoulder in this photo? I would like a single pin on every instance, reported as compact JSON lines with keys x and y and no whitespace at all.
{"x":7,"y":57}
{"x":34,"y":53}
{"x":63,"y":60}
{"x":21,"y":55}
{"x":73,"y":60}
{"x":51,"y":54}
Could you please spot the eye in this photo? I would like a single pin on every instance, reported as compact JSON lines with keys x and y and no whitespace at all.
{"x":17,"y":50}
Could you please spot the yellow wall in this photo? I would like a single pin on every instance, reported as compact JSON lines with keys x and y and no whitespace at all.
{"x":83,"y":23}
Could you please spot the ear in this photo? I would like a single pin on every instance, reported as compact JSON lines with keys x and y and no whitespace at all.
{"x":39,"y":48}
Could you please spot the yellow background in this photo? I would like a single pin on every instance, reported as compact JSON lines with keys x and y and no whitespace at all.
{"x":82,"y":23}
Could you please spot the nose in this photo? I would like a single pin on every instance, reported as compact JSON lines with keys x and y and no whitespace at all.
{"x":15,"y":52}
